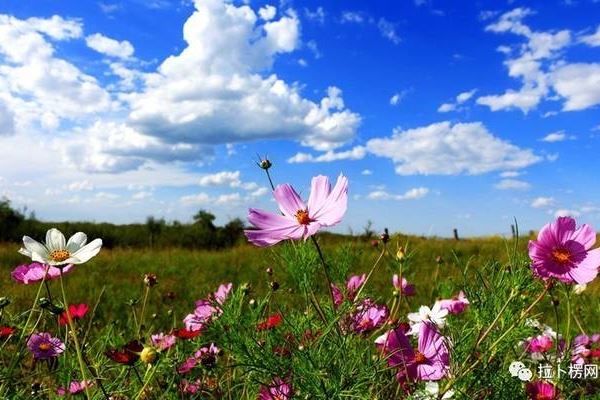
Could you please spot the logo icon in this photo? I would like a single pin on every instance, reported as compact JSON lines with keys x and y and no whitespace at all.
{"x":518,"y":370}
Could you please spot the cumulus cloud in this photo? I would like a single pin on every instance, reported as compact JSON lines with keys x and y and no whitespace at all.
{"x":227,"y":178}
{"x":460,"y":99}
{"x":566,"y":213}
{"x":317,"y":15}
{"x":355,"y":153}
{"x":411,"y":194}
{"x":446,"y":149}
{"x":267,"y":12}
{"x":542,"y":69}
{"x":110,"y":47}
{"x":7,"y":120}
{"x":397,"y":97}
{"x":388,"y":30}
{"x":592,"y":39}
{"x":366,"y":172}
{"x":512,"y":184}
{"x":542,"y":202}
{"x":559,"y":136}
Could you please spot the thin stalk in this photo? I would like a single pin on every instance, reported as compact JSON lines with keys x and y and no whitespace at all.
{"x":370,"y":272}
{"x":326,"y":269}
{"x":143,"y":310}
{"x":74,"y":335}
{"x":270,"y":180}
{"x":94,"y":373}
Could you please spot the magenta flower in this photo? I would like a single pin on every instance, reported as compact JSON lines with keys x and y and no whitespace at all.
{"x":74,"y":388}
{"x":455,"y":305}
{"x":429,"y":362}
{"x":28,"y":274}
{"x":206,"y":356}
{"x":353,"y":285}
{"x":562,"y":251}
{"x":403,"y":286}
{"x":187,"y":365}
{"x":585,"y":347}
{"x":541,"y":390}
{"x":207,"y":309}
{"x":223,"y":292}
{"x":44,"y":346}
{"x":325,"y":207}
{"x":277,"y":390}
{"x":368,"y":316}
{"x":163,"y":342}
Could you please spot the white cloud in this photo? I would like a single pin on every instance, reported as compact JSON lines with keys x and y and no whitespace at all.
{"x":355,"y":17}
{"x":80,"y":186}
{"x":141,"y":195}
{"x":465,"y":96}
{"x":317,"y":15}
{"x":579,"y":84}
{"x":510,"y":174}
{"x":461,"y":98}
{"x":366,"y":172}
{"x":556,"y":137}
{"x":197,"y":199}
{"x":355,"y":153}
{"x":412,"y":194}
{"x":446,"y":149}
{"x":542,"y":202}
{"x":110,"y":47}
{"x":592,"y":39}
{"x":446,"y":107}
{"x":388,"y":30}
{"x":267,"y":12}
{"x":204,"y":199}
{"x":397,"y":97}
{"x":566,"y":213}
{"x":512,"y":184}
{"x":227,"y":178}
{"x":7,"y":120}
{"x":56,"y":27}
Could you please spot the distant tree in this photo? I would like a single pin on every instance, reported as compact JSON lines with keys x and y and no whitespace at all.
{"x":205,"y":219}
{"x":368,"y":231}
{"x":10,"y":220}
{"x":232,"y":231}
{"x":154,"y":227}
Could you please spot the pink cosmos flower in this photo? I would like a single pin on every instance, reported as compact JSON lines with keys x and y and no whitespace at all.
{"x":541,"y":390}
{"x":325,"y":207}
{"x":352,"y":287}
{"x":190,"y":387}
{"x":455,"y":305}
{"x":584,"y":348}
{"x":207,"y":356}
{"x":207,"y":309}
{"x":429,"y":362}
{"x":28,"y":274}
{"x":163,"y":342}
{"x":368,"y":316}
{"x":74,"y":312}
{"x":223,"y":292}
{"x":74,"y":388}
{"x":44,"y":346}
{"x":277,"y":390}
{"x":403,"y":286}
{"x":562,"y":251}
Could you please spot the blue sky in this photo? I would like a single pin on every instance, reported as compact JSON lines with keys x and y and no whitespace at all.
{"x":441,"y":114}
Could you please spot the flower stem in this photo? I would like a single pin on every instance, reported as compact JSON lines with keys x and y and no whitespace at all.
{"x":74,"y":335}
{"x":370,"y":273}
{"x":143,"y":310}
{"x":326,"y":269}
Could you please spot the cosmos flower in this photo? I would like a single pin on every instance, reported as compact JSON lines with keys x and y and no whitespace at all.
{"x":57,"y":251}
{"x":126,"y":355}
{"x":206,"y":356}
{"x":541,"y":390}
{"x":585,"y":347}
{"x":436,"y":315}
{"x":28,"y":274}
{"x":368,"y":316}
{"x":271,"y":322}
{"x":563,"y":251}
{"x":207,"y":309}
{"x":353,"y":285}
{"x":429,"y":362}
{"x":44,"y":346}
{"x":403,"y":286}
{"x":277,"y":390}
{"x":6,"y":331}
{"x":184,"y":333}
{"x":455,"y":305}
{"x":325,"y":207}
{"x":223,"y":292}
{"x":75,"y":312}
{"x":74,"y":388}
{"x":163,"y":342}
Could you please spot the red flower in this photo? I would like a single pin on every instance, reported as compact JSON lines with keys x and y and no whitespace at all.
{"x":75,"y":311}
{"x":186,"y":334}
{"x":6,"y":331}
{"x":126,"y":355}
{"x":272,"y":322}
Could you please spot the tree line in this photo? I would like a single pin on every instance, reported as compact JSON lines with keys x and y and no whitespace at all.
{"x":202,"y":233}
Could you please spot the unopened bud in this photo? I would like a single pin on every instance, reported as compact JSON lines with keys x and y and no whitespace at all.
{"x":150,"y":280}
{"x":269,"y":271}
{"x":385,"y":236}
{"x":265,"y":163}
{"x":46,"y":304}
{"x":400,"y":253}
{"x":439,"y":260}
{"x":274,"y":286}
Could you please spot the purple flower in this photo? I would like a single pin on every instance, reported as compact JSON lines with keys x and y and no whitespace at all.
{"x":43,"y":346}
{"x":223,"y":292}
{"x":277,"y":390}
{"x":163,"y":342}
{"x":74,"y":388}
{"x":403,"y":286}
{"x":368,"y":316}
{"x":28,"y":274}
{"x":541,"y":390}
{"x":455,"y":305}
{"x":207,"y":356}
{"x":562,"y":251}
{"x":584,"y":347}
{"x":207,"y":309}
{"x":325,"y":207}
{"x":429,"y":362}
{"x":354,"y":284}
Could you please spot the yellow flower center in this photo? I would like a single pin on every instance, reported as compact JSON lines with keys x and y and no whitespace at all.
{"x":420,"y":357}
{"x":561,"y":256}
{"x":302,"y":217}
{"x":45,"y":346}
{"x":60,"y":255}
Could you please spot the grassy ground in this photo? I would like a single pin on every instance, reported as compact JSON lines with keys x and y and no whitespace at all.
{"x":186,"y":275}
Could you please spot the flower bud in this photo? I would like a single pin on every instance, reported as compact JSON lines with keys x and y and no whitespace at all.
{"x":439,"y":260}
{"x":385,"y":236}
{"x":265,"y":163}
{"x":400,"y":253}
{"x":274,"y":286}
{"x":46,"y":304}
{"x":148,"y":355}
{"x":4,"y":301}
{"x":269,"y":271}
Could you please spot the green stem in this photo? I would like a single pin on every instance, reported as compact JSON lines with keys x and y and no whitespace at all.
{"x":143,"y":310}
{"x":74,"y":335}
{"x":370,"y":272}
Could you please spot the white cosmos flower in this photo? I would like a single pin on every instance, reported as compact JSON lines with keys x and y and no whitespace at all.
{"x":57,"y":251}
{"x":436,"y":314}
{"x":431,"y":392}
{"x":578,"y":289}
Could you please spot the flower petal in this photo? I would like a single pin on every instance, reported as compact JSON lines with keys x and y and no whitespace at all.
{"x":266,"y":220}
{"x":271,"y":236}
{"x":584,"y":235}
{"x":319,"y":191}
{"x":587,"y":270}
{"x":55,"y":240}
{"x":289,"y":201}
{"x":76,"y":242}
{"x":85,"y":253}
{"x":563,"y":228}
{"x":335,"y":205}
{"x":38,"y":252}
